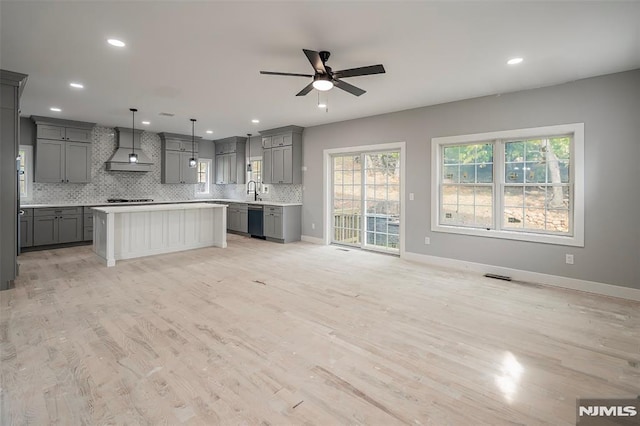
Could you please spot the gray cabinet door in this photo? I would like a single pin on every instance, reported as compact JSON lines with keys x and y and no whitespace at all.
{"x":173,"y":145}
{"x":172,"y":166}
{"x":267,"y":166}
{"x":26,"y":234}
{"x":78,"y":135}
{"x":277,"y":165}
{"x":243,"y":221}
{"x":219,"y":169}
{"x":266,"y":142}
{"x":77,"y":162}
{"x":70,"y":228}
{"x":277,"y":226}
{"x":50,"y":161}
{"x":269,"y":226}
{"x":233,"y":168}
{"x":287,"y":164}
{"x":45,"y":230}
{"x":187,"y":174}
{"x":45,"y":131}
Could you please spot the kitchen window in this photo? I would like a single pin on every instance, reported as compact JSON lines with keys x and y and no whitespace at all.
{"x":204,"y":176}
{"x":256,"y":170}
{"x":25,"y":170}
{"x":525,"y":184}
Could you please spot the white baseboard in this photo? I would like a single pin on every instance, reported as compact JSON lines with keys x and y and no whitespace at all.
{"x":313,"y":240}
{"x":528,"y":276}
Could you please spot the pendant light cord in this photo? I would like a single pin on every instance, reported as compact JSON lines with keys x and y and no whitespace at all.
{"x":193,"y":138}
{"x":133,"y":128}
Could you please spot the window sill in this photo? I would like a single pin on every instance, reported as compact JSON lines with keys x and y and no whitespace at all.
{"x":574,"y":240}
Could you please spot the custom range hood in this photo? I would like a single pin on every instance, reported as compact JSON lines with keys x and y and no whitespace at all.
{"x":119,"y":161}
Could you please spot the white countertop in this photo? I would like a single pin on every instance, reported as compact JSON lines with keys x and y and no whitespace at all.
{"x":158,"y":207}
{"x":199,"y":200}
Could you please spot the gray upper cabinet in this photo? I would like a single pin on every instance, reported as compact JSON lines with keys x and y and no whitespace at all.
{"x":282,"y":155}
{"x":65,"y":133}
{"x":176,"y":152}
{"x":63,"y":150}
{"x":62,"y":162}
{"x":230,"y":160}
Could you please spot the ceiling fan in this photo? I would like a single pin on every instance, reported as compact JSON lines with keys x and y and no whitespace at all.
{"x":325,"y":78}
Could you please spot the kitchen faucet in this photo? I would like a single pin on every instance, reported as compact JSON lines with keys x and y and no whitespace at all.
{"x":255,"y":189}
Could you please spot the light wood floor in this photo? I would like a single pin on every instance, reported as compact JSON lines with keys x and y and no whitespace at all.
{"x":262,"y":333}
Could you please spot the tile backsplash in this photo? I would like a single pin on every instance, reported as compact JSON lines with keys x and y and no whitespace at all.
{"x":105,"y":184}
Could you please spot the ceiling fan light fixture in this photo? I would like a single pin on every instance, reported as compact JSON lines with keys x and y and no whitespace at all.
{"x":322,"y":83}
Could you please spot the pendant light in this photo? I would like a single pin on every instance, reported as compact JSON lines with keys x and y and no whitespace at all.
{"x":193,"y":161}
{"x":133,"y":157}
{"x":249,"y":142}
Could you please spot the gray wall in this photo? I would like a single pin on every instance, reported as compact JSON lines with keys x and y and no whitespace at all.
{"x":610,"y":108}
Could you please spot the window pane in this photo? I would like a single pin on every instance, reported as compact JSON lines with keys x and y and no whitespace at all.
{"x":484,"y":154}
{"x":448,"y":214}
{"x":484,"y":196}
{"x":450,"y":194}
{"x":337,"y":163}
{"x":534,"y":151}
{"x":557,"y":221}
{"x":513,"y":196}
{"x":468,"y":173}
{"x":513,"y":218}
{"x":534,"y":219}
{"x":450,"y":174}
{"x":514,"y":151}
{"x":466,"y":195}
{"x":484,"y":216}
{"x":514,"y":173}
{"x":535,"y":172}
{"x":484,"y":173}
{"x":451,"y":155}
{"x":535,"y":196}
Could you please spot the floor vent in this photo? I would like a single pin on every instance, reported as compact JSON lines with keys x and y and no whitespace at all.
{"x":498,"y":277}
{"x":341,"y":249}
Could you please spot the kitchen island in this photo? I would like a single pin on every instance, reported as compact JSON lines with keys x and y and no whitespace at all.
{"x":126,"y":232}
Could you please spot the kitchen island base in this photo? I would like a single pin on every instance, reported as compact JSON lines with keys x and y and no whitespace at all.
{"x":126,"y":232}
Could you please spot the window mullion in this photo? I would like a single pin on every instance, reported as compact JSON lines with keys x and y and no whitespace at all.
{"x":498,"y":184}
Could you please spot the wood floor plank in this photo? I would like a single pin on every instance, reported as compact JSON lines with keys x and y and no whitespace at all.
{"x":263,"y":333}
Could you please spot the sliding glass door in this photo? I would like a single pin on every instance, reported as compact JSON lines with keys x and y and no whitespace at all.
{"x":366,"y":200}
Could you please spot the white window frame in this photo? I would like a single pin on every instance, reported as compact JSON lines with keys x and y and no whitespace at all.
{"x":209,"y":166}
{"x":577,"y":171}
{"x":28,"y":170}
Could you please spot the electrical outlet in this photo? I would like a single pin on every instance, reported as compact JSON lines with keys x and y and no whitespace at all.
{"x":411,"y":196}
{"x":427,"y":240}
{"x":313,"y":226}
{"x":265,"y":189}
{"x":568,"y":258}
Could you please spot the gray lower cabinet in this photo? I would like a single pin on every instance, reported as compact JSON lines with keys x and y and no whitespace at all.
{"x":57,"y":225}
{"x":26,"y":228}
{"x":87,"y":224}
{"x":238,"y":218}
{"x":62,"y":161}
{"x":283,"y":223}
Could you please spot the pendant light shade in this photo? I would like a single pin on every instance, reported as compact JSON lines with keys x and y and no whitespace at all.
{"x":249,"y":142}
{"x":133,"y":157}
{"x":193,"y":162}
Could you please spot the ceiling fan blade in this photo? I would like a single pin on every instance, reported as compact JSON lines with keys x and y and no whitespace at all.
{"x":285,"y":73}
{"x":306,"y":90}
{"x":354,"y":72}
{"x":348,"y":87}
{"x":316,"y":62}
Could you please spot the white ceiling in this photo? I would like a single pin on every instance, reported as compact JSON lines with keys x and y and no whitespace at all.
{"x":202,"y":59}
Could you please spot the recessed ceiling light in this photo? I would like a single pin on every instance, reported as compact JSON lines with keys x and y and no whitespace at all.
{"x":116,"y":42}
{"x":76,"y":85}
{"x":209,"y":131}
{"x":146,"y":123}
{"x":321,"y":105}
{"x":255,"y":121}
{"x":56,"y":109}
{"x":514,"y":61}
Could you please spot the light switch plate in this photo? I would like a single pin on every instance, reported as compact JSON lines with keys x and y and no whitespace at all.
{"x":411,"y":196}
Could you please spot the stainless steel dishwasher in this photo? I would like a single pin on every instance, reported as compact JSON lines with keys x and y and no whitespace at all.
{"x":256,"y":220}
